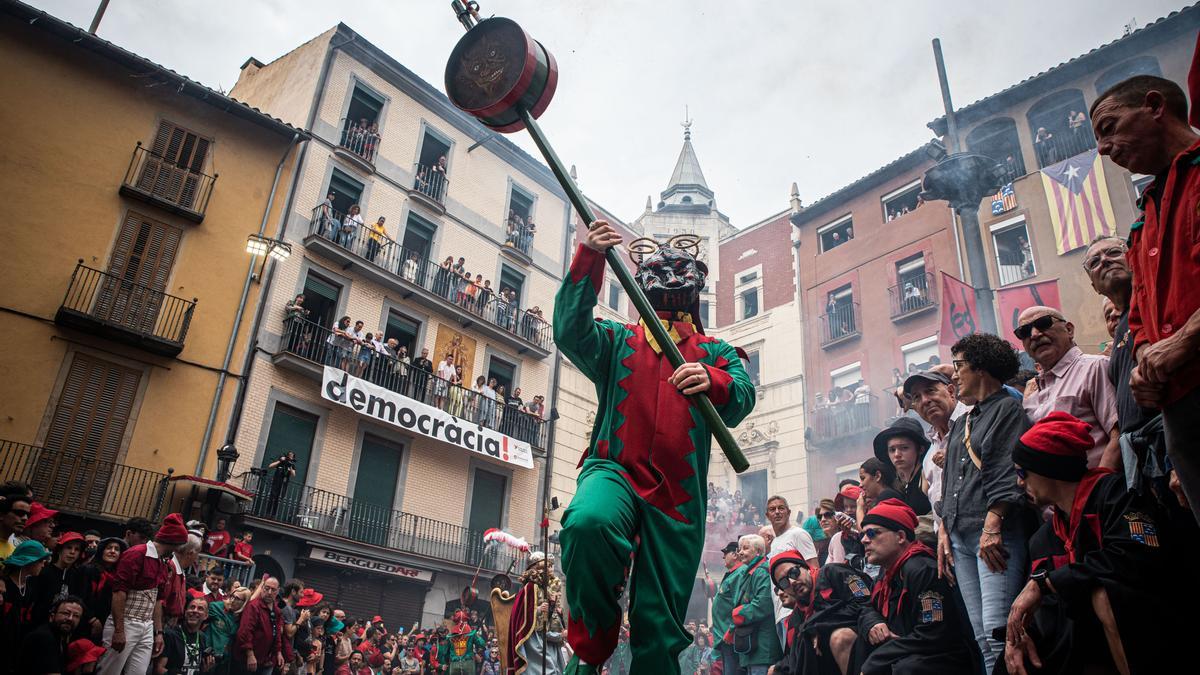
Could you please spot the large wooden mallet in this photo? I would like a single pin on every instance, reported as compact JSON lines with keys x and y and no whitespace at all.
{"x":505,"y":79}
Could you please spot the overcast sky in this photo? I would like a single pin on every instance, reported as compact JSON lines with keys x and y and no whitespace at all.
{"x":819,"y":93}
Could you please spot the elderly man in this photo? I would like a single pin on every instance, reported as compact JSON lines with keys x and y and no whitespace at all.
{"x":1071,"y":381}
{"x":753,"y":631}
{"x":133,"y":632}
{"x":1142,"y":125}
{"x":932,"y":395}
{"x":261,"y":645}
{"x":176,"y":597}
{"x":723,"y":601}
{"x":785,"y":535}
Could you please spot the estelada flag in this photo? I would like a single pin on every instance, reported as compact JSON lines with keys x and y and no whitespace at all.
{"x":960,"y":317}
{"x":1077,"y":194}
{"x":1013,"y":300}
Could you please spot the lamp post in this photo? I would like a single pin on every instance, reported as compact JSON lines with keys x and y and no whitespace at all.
{"x":227,"y":455}
{"x":267,"y":247}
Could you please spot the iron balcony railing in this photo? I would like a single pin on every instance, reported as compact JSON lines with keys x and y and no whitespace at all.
{"x":163,"y":181}
{"x":832,"y":421}
{"x":321,"y":345}
{"x":412,"y":266}
{"x":361,"y":138}
{"x":519,"y":235}
{"x":71,"y":482}
{"x":432,"y":182}
{"x":912,"y":294}
{"x":839,"y":322}
{"x":234,"y":569}
{"x":1064,"y":145}
{"x":311,"y":508}
{"x":121,"y":304}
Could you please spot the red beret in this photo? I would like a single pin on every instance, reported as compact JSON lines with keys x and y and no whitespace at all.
{"x":791,"y":555}
{"x":893,"y":514}
{"x":850,"y":492}
{"x":172,"y":530}
{"x":1055,"y":447}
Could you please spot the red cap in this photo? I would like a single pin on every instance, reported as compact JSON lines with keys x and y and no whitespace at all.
{"x":1055,"y":447}
{"x":791,"y":555}
{"x":893,"y":514}
{"x":309,"y":597}
{"x":68,"y":537}
{"x":195,"y":593}
{"x":82,"y":652}
{"x":172,"y":530}
{"x":376,"y":619}
{"x":37,"y":513}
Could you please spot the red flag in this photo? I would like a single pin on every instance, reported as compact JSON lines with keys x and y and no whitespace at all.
{"x":960,"y":317}
{"x":1015,"y":299}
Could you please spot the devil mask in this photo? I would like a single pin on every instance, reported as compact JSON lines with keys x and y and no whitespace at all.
{"x":669,"y":272}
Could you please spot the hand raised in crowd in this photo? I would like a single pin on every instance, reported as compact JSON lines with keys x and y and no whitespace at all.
{"x":602,"y":236}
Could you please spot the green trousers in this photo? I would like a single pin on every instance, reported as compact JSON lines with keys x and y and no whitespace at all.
{"x":466,"y":667}
{"x":606,"y":527}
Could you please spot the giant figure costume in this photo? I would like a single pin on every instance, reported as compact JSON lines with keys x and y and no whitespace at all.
{"x":641,"y":494}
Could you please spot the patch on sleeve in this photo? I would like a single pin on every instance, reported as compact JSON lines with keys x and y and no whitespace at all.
{"x":857,"y":588}
{"x":931,"y":606}
{"x":1142,"y":529}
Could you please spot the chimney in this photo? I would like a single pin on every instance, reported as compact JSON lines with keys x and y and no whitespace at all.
{"x":797,"y":205}
{"x":251,"y":66}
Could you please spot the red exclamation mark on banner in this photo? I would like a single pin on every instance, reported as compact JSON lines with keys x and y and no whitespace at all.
{"x":504,"y":447}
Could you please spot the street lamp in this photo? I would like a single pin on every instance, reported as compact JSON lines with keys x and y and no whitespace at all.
{"x":226,"y":456}
{"x":258,"y":245}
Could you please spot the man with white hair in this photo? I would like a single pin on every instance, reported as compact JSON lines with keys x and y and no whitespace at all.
{"x":754,"y":637}
{"x":176,"y":597}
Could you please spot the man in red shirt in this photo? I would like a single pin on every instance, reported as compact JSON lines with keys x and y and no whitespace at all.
{"x":242,"y":550}
{"x":1142,"y":125}
{"x":261,"y":644}
{"x":218,"y":541}
{"x":134,"y":629}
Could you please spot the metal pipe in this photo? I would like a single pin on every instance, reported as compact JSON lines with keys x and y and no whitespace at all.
{"x":717,"y":426}
{"x":98,"y":16}
{"x":237,"y":320}
{"x":944,"y":83}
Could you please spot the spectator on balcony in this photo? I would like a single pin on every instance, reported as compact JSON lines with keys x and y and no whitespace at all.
{"x":351,"y":224}
{"x":500,"y":421}
{"x":218,"y":540}
{"x":1071,"y":381}
{"x":14,"y":513}
{"x":1011,"y":170}
{"x":444,"y":285}
{"x":485,"y":296}
{"x":372,"y":141}
{"x":284,"y":470}
{"x":488,"y":404}
{"x":422,"y":370}
{"x":466,"y":291}
{"x":341,"y":344}
{"x":441,"y":386}
{"x":457,"y":393}
{"x":377,"y":239}
{"x":1077,"y":122}
{"x":914,"y":296}
{"x":243,"y":550}
{"x":534,"y":321}
{"x":411,"y":266}
{"x":527,"y":235}
{"x":476,"y":292}
{"x":366,"y":356}
{"x":1026,"y":256}
{"x":295,"y":309}
{"x":537,"y":407}
{"x":134,"y":630}
{"x":327,"y":223}
{"x":513,"y":229}
{"x":261,"y":645}
{"x":476,"y":406}
{"x":1044,"y":143}
{"x":513,"y":413}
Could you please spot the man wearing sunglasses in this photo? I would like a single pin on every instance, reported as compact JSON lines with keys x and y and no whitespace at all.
{"x":1142,"y":125}
{"x":1071,"y":381}
{"x":825,"y":605}
{"x":1097,"y":596}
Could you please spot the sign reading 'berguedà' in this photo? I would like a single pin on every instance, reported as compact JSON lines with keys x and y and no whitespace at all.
{"x":369,"y":564}
{"x":400,"y":411}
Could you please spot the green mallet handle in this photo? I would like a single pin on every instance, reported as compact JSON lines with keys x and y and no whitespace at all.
{"x":725,"y":439}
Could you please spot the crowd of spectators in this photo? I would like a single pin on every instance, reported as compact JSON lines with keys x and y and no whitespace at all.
{"x":361,"y":138}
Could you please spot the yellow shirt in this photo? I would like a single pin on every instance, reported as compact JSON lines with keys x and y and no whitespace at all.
{"x":6,"y":547}
{"x":377,"y":233}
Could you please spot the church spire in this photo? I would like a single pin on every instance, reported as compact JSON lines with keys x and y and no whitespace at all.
{"x":687,"y":186}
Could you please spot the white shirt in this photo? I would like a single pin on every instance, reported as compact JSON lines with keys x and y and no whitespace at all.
{"x":932,"y":472}
{"x":794,"y":538}
{"x":446,"y":371}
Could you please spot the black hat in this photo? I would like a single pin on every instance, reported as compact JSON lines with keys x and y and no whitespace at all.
{"x":927,"y":376}
{"x":904,"y":426}
{"x":731,"y":547}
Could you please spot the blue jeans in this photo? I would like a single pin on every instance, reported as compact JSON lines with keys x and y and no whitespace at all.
{"x":757,"y":670}
{"x":989,"y":595}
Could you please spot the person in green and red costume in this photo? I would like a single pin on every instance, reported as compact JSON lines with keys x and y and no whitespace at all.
{"x":457,"y":652}
{"x":641,"y":493}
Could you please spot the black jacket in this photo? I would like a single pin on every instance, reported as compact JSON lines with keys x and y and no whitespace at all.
{"x":841,"y":593}
{"x":928,"y":615}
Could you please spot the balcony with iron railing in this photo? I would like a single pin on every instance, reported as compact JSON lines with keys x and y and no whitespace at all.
{"x":835,"y":421}
{"x":420,"y":279}
{"x":328,"y":513}
{"x":518,"y":238}
{"x":913,"y":296}
{"x":840,"y":323}
{"x":430,"y":185}
{"x":182,"y":190}
{"x":84,"y":485}
{"x":359,"y":143}
{"x":1064,"y":145}
{"x":316,"y":346}
{"x":125,"y":311}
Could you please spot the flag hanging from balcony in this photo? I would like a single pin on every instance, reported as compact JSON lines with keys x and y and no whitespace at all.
{"x":1012,"y":300}
{"x":960,"y":317}
{"x":1077,"y":196}
{"x":1005,"y":200}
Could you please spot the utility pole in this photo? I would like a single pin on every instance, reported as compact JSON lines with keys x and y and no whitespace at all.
{"x":99,"y":15}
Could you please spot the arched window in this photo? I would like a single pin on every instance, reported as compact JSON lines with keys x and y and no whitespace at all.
{"x":997,"y":138}
{"x":1138,"y":65}
{"x":1060,"y":127}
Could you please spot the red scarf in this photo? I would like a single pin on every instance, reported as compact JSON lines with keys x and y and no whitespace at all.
{"x":1066,"y":531}
{"x":882,"y":594}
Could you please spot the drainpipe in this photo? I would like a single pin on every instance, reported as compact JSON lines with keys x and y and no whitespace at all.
{"x":235,"y":418}
{"x":547,"y":479}
{"x":237,"y":321}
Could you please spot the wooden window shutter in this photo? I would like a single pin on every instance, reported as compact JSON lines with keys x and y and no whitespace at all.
{"x":178,"y":154}
{"x":86,"y":432}
{"x":140,"y":266}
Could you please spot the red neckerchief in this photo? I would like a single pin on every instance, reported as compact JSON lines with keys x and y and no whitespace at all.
{"x":883,"y":588}
{"x":1066,"y":531}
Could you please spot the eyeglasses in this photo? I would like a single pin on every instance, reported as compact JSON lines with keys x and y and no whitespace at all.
{"x":1111,"y":253}
{"x":1042,"y":323}
{"x":871,"y":533}
{"x":1020,"y":473}
{"x":959,"y":364}
{"x":788,"y":577}
{"x":825,"y":514}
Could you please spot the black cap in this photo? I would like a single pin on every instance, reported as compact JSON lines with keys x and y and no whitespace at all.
{"x":926,"y":375}
{"x":903,"y":426}
{"x":731,"y":547}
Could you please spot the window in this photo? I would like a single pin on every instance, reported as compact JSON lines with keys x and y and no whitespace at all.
{"x":519,"y":228}
{"x":752,"y":366}
{"x":1014,"y":254}
{"x":754,"y":489}
{"x":141,"y":262}
{"x":1138,"y":65}
{"x":346,"y":192}
{"x":748,"y":293}
{"x":292,"y":430}
{"x":512,"y":279}
{"x":614,"y":295}
{"x":418,"y":240}
{"x":487,"y":501}
{"x":836,"y":233}
{"x":704,"y":305}
{"x":179,"y":157}
{"x":1140,"y":182}
{"x":405,"y":329}
{"x":920,"y":355}
{"x":840,"y":317}
{"x":1060,"y":127}
{"x":997,"y":138}
{"x":901,"y":202}
{"x":321,"y":299}
{"x":504,"y":372}
{"x":432,"y":165}
{"x":86,"y":432}
{"x":360,"y":127}
{"x":846,"y":376}
{"x":911,"y":291}
{"x":847,"y":471}
{"x":374,"y":490}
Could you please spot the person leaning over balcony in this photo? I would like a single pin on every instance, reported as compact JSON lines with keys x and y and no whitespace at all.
{"x":409,"y":271}
{"x":351,"y":224}
{"x":134,"y":630}
{"x":376,"y":236}
{"x":445,"y":275}
{"x":341,"y":344}
{"x":422,"y":370}
{"x":984,"y":536}
{"x":441,"y":386}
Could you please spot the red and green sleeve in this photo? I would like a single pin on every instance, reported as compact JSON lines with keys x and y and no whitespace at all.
{"x":731,"y":391}
{"x":756,"y":598}
{"x":581,"y":337}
